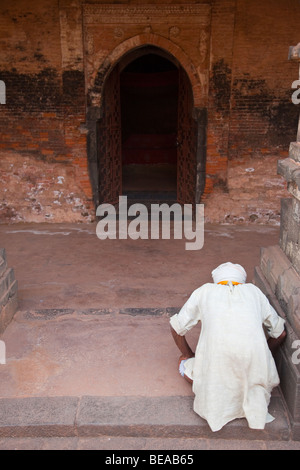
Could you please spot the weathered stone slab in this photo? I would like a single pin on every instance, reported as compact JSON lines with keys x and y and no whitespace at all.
{"x":294,"y":151}
{"x":290,"y":170}
{"x":260,"y":282}
{"x":293,"y":189}
{"x":38,"y":416}
{"x":167,"y":417}
{"x":284,"y":221}
{"x":284,"y":282}
{"x":92,"y":416}
{"x":290,"y":231}
{"x":287,"y":361}
{"x":143,"y":311}
{"x":273,"y":263}
{"x":289,"y":371}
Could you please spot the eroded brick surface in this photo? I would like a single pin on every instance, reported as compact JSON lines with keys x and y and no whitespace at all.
{"x":55,"y":58}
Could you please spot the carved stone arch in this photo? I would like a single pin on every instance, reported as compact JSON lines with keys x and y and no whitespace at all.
{"x":121,"y":51}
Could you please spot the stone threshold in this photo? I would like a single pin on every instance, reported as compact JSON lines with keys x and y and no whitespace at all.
{"x":159,"y":417}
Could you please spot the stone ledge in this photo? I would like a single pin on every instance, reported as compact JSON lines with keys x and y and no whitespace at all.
{"x":294,"y":151}
{"x":287,"y":347}
{"x":289,"y":231}
{"x":273,"y":263}
{"x":288,"y":370}
{"x":290,"y":170}
{"x":92,"y":416}
{"x":284,"y":282}
{"x":38,"y":416}
{"x":260,"y":282}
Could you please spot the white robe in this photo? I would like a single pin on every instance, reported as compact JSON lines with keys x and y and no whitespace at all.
{"x":233,"y":371}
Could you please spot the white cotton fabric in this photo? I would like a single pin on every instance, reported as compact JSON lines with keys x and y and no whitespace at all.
{"x":229,"y":272}
{"x":233,"y":371}
{"x":182,"y":367}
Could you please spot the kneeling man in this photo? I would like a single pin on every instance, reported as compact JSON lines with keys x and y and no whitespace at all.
{"x":232,"y":370}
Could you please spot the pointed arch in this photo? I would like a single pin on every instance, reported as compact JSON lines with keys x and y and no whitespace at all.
{"x":192,"y":171}
{"x":120,"y":52}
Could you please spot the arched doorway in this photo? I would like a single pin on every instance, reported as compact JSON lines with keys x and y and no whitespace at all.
{"x":149,"y":109}
{"x":148,"y":135}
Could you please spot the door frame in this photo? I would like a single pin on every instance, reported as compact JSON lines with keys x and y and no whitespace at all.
{"x":95,"y":113}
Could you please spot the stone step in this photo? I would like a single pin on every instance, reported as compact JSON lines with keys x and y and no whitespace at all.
{"x":160,"y":417}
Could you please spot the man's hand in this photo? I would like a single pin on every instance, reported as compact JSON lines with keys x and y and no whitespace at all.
{"x":182,"y":345}
{"x":274,"y":343}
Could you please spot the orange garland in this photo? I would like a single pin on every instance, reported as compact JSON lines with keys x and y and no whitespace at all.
{"x":226,"y":282}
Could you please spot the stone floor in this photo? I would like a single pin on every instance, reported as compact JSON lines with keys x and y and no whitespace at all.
{"x":92,"y":335}
{"x":67,"y":266}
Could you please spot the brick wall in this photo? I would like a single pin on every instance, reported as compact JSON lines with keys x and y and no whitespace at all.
{"x":262,"y":116}
{"x":44,"y":171}
{"x":43,"y":167}
{"x":251,"y":117}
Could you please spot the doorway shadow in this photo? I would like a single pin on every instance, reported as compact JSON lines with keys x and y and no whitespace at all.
{"x":149,"y":109}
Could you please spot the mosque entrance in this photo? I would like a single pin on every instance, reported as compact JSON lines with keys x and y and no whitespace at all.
{"x":149,"y":108}
{"x":147,"y":137}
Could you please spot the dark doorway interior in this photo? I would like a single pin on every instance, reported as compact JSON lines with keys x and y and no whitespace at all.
{"x":149,"y":117}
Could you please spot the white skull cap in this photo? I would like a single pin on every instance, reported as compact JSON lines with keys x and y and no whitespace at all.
{"x":229,"y":272}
